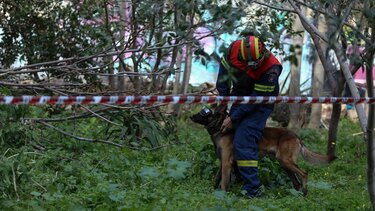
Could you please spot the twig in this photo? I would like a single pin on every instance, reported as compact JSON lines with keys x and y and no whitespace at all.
{"x":72,"y":59}
{"x":54,"y":90}
{"x":6,"y":151}
{"x":97,"y":115}
{"x":41,"y":85}
{"x":80,"y":138}
{"x":39,"y":185}
{"x":360,"y":133}
{"x":85,"y":115}
{"x":14,"y":183}
{"x":274,"y":7}
{"x":12,"y":156}
{"x":324,"y":124}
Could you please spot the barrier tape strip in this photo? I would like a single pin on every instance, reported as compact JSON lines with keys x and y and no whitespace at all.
{"x":168,"y":99}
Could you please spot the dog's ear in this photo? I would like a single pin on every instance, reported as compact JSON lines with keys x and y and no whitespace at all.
{"x":214,"y":106}
{"x":221,"y":108}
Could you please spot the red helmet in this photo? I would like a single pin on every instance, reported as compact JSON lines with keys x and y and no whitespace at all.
{"x":253,"y":51}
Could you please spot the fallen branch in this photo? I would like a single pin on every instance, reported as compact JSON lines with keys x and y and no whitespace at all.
{"x":100,"y":117}
{"x":70,"y":118}
{"x":360,"y":133}
{"x":80,"y":138}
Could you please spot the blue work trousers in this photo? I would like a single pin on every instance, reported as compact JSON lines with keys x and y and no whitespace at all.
{"x":248,"y":132}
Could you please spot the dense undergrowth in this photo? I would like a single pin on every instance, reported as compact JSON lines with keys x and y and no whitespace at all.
{"x":74,"y":175}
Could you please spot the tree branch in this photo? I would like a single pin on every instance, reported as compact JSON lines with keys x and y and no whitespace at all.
{"x":80,"y":138}
{"x":275,"y":7}
{"x":100,"y":117}
{"x":311,"y":28}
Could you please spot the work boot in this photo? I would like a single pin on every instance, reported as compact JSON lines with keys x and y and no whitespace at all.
{"x":258,"y":194}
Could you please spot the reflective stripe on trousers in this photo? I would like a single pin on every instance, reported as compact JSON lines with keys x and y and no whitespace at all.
{"x":248,"y":133}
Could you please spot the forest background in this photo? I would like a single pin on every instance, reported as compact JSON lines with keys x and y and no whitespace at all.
{"x":143,"y":157}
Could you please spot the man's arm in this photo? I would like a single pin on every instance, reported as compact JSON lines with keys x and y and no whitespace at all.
{"x":223,"y":83}
{"x":267,"y":85}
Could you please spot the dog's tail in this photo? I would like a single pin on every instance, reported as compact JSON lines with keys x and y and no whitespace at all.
{"x":315,"y":158}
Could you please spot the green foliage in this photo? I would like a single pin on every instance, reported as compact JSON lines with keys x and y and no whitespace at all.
{"x":77,"y":175}
{"x":140,"y":129}
{"x":12,"y":129}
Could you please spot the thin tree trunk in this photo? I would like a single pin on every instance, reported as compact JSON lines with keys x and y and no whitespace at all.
{"x":294,"y":87}
{"x":111,"y":71}
{"x":370,"y":139}
{"x":122,"y":68}
{"x":177,"y":83}
{"x":134,"y":33}
{"x":177,"y":80}
{"x":187,"y":69}
{"x":108,"y":59}
{"x":318,"y":78}
{"x":155,"y":82}
{"x":188,"y":56}
{"x":370,"y":125}
{"x":322,"y":49}
{"x":316,"y":109}
{"x":353,"y":89}
{"x":335,"y":116}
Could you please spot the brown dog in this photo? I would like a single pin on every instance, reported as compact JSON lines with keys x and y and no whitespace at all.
{"x":280,"y":143}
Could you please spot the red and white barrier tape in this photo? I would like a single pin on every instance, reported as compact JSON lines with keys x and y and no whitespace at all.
{"x":141,"y":100}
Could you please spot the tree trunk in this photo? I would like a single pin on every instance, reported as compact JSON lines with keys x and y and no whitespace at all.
{"x":134,"y":32}
{"x":187,"y":69}
{"x":335,"y":117}
{"x":370,"y":139}
{"x":177,"y":84}
{"x":353,"y":89}
{"x":370,"y":125}
{"x":323,"y":53}
{"x":318,"y":78}
{"x":111,"y":71}
{"x":294,"y":87}
{"x":155,"y":82}
{"x":177,"y":80}
{"x":316,"y":109}
{"x":188,"y":56}
{"x":121,"y":57}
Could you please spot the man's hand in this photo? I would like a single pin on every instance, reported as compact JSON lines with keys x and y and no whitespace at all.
{"x":227,"y":125}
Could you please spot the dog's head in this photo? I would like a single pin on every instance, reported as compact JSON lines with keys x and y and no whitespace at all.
{"x":212,"y":118}
{"x":203,"y":117}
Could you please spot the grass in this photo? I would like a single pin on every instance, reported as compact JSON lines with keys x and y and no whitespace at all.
{"x":80,"y":176}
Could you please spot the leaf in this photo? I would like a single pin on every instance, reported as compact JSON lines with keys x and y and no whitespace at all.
{"x":149,"y":172}
{"x":117,"y":197}
{"x":177,"y":169}
{"x":255,"y":208}
{"x":295,"y":192}
{"x":113,"y":187}
{"x":179,"y":164}
{"x":35,"y":193}
{"x":320,"y":185}
{"x":176,"y":174}
{"x":219,"y":194}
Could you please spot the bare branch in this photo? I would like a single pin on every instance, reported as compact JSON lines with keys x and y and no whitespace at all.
{"x":308,"y":26}
{"x":80,"y":138}
{"x":281,"y":8}
{"x":100,"y":117}
{"x":70,"y":118}
{"x":112,"y":53}
{"x":40,"y":85}
{"x":344,"y":18}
